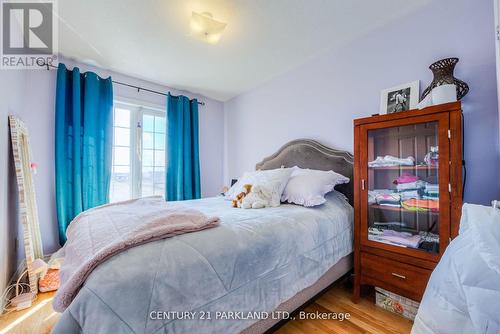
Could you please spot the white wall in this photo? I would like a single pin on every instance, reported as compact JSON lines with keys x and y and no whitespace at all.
{"x":38,"y":113}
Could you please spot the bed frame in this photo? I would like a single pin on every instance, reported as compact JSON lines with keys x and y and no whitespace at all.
{"x":307,"y":153}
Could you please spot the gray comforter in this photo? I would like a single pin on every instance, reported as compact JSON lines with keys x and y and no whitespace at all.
{"x":252,"y":262}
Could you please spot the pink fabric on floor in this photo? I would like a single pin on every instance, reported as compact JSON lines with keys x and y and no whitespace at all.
{"x":100,"y":233}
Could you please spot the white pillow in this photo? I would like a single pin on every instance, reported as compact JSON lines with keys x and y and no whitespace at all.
{"x":277,"y":178}
{"x":308,"y":187}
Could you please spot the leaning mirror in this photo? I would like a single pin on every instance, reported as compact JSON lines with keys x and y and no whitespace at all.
{"x":27,"y":204}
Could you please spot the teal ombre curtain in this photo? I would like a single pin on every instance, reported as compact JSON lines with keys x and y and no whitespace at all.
{"x":183,"y":162}
{"x":84,"y":125}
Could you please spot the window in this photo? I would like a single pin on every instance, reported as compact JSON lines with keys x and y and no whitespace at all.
{"x":153,"y":154}
{"x":138,"y":167}
{"x":120,"y":188}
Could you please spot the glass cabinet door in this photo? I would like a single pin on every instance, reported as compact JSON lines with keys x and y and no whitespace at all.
{"x":403,"y":186}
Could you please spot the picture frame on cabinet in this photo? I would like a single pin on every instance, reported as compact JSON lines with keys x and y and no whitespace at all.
{"x":403,"y":97}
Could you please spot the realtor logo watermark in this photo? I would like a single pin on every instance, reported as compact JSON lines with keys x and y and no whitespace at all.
{"x":29,"y":33}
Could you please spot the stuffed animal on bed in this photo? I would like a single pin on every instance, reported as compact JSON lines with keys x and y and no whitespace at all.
{"x":236,"y":203}
{"x":261,"y":196}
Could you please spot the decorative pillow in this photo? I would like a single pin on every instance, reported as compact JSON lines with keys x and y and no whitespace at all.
{"x":278,"y":176}
{"x":308,"y":187}
{"x":50,"y":281}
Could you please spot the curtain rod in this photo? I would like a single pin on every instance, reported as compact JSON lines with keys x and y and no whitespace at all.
{"x":121,"y":83}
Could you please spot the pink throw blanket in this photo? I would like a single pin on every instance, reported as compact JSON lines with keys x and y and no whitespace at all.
{"x":97,"y":234}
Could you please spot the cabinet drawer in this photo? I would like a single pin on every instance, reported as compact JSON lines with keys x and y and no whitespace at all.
{"x":401,"y":275}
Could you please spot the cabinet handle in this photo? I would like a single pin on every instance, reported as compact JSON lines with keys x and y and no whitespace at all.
{"x":398,"y":276}
{"x":363,"y":184}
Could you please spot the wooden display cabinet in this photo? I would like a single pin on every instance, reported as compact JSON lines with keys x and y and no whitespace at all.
{"x":405,"y":213}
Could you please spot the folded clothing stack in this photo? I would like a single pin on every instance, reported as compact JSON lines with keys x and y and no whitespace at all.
{"x":421,"y":205}
{"x":389,"y":161}
{"x":406,"y":178}
{"x":409,"y":194}
{"x":387,"y":232}
{"x":418,"y":195}
{"x":417,"y":185}
{"x":431,"y":191}
{"x":402,"y":239}
{"x":372,"y":194}
{"x":393,"y":200}
{"x":409,"y":186}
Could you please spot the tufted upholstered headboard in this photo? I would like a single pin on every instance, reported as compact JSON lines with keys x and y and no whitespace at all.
{"x":307,"y":153}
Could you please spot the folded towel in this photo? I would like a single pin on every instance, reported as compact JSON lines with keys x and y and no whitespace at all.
{"x":411,"y":185}
{"x":380,"y":238}
{"x":408,"y":194}
{"x":390,"y":160}
{"x":372,"y":194}
{"x":406,"y":178}
{"x":402,"y":238}
{"x":389,"y":199}
{"x":421,"y":204}
{"x":410,"y":161}
{"x":432,"y":187}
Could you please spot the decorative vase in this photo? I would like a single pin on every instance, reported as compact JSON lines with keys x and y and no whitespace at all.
{"x":443,"y":75}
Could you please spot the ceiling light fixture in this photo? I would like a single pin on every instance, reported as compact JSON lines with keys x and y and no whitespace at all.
{"x":204,"y":27}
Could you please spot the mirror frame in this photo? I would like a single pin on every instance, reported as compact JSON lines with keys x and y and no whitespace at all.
{"x":28,"y":209}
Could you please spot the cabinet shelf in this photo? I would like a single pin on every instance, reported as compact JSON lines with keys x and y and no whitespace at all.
{"x":401,"y":209}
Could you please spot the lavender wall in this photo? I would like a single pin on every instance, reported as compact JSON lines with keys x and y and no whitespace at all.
{"x":37,"y":111}
{"x":316,"y":100}
{"x":321,"y":98}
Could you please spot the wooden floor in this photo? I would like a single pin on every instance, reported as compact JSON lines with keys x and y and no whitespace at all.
{"x":38,"y":319}
{"x":365,"y":317}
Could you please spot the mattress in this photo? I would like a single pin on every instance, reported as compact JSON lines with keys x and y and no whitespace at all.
{"x":463,"y":293}
{"x":220,"y":280}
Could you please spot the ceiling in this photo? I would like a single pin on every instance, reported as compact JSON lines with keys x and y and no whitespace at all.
{"x":151,"y":40}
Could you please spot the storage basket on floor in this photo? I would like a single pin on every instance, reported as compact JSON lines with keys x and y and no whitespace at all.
{"x":396,"y":303}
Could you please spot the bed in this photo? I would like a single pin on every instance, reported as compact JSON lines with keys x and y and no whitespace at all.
{"x":228,"y":279}
{"x":463,"y":293}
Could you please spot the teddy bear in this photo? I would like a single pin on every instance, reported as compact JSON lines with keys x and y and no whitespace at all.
{"x":261,"y":196}
{"x":236,"y":203}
